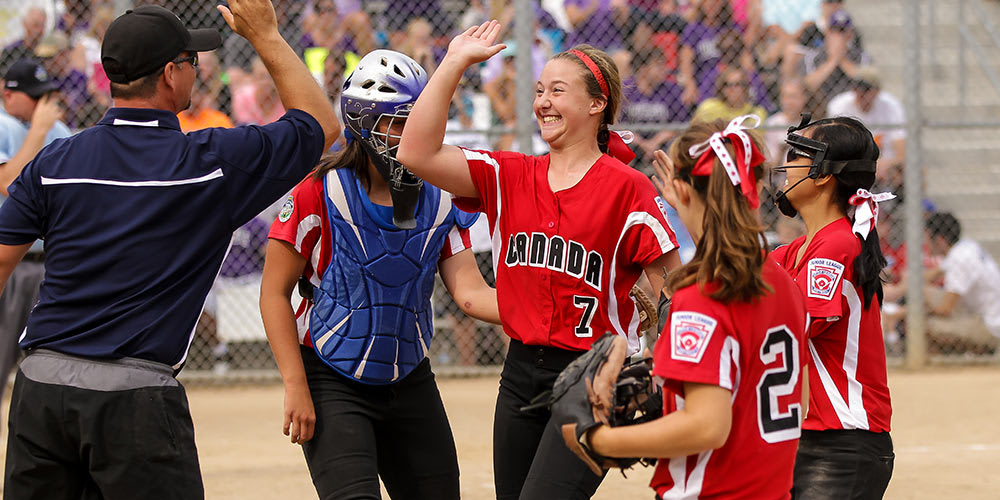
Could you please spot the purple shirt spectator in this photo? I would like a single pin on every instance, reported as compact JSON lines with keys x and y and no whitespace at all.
{"x":246,"y":255}
{"x":598,"y":29}
{"x":704,"y":41}
{"x":662,"y":105}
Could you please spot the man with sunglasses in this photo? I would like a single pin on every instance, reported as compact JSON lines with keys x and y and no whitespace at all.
{"x":137,"y":218}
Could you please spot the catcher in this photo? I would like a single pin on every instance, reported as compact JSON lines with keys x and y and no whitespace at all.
{"x":729,"y":355}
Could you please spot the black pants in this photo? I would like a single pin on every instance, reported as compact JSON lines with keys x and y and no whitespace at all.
{"x":105,"y":442}
{"x":842,"y":465}
{"x":530,"y":459}
{"x":398,"y":432}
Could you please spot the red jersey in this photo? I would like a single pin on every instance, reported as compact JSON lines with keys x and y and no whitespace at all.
{"x":847,"y":379}
{"x":755,"y":349}
{"x":303,"y":223}
{"x":566,"y":261}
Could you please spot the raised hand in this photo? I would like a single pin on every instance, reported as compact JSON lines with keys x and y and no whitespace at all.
{"x":250,"y":18}
{"x":47,"y":111}
{"x":664,"y":177}
{"x":476,"y":44}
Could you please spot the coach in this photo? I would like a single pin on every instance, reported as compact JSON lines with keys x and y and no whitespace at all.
{"x":137,"y":218}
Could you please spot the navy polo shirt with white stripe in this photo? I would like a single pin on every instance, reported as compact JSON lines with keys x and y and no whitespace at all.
{"x":137,"y":218}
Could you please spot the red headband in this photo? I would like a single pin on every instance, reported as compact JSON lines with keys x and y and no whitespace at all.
{"x":592,"y":66}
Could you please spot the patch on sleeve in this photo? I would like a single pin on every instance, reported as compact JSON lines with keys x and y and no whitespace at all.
{"x":287,"y":209}
{"x":689,"y":335}
{"x":663,"y":206}
{"x":824,"y":276}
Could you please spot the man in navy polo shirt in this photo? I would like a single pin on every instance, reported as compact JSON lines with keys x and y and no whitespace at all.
{"x":137,"y":218}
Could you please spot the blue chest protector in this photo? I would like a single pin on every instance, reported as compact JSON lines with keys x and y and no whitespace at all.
{"x":372,"y":320}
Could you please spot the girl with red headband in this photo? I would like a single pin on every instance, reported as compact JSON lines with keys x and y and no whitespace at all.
{"x":572,"y":232}
{"x":732,"y":350}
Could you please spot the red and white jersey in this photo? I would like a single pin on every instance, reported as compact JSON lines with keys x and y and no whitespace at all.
{"x":756,"y":350}
{"x":847,"y":378}
{"x":566,"y":261}
{"x":303,"y":223}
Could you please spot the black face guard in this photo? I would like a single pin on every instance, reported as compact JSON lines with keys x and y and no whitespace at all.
{"x":799,"y":146}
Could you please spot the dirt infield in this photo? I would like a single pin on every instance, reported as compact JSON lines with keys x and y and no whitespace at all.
{"x":944,"y":426}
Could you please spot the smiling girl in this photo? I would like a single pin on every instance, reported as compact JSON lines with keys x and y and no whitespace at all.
{"x":572,"y":232}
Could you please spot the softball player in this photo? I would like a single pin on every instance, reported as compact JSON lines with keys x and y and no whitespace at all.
{"x":368,"y":236}
{"x":845,"y":450}
{"x":731,"y":352}
{"x":572,"y":232}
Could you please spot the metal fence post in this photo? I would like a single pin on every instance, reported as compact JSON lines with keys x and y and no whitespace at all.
{"x":916,"y":341}
{"x":524,"y":34}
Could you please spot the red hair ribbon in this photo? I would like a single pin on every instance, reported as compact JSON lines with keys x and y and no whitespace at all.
{"x":866,"y":215}
{"x":618,"y":148}
{"x":740,"y":172}
{"x":592,"y":66}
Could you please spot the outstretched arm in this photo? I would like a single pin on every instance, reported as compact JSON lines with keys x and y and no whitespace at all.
{"x":421,"y":147}
{"x":255,"y":20}
{"x":466,"y":285}
{"x":282,"y":268}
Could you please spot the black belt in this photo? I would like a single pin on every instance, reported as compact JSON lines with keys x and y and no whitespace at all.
{"x":539,"y":355}
{"x":36,"y":257}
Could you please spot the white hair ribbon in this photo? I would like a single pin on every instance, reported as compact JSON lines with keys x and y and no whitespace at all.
{"x":866,"y":213}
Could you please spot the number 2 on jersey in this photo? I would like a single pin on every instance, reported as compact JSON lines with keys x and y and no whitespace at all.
{"x":589,"y":306}
{"x":777,"y":426}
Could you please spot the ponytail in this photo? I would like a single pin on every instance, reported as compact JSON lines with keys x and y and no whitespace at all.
{"x":730,"y":254}
{"x":603,"y":136}
{"x":353,"y":156}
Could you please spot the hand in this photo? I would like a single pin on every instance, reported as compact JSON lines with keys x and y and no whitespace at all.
{"x":476,"y":44}
{"x":47,"y":112}
{"x":251,"y":19}
{"x":664,"y":177}
{"x":690,"y":95}
{"x":300,"y":416}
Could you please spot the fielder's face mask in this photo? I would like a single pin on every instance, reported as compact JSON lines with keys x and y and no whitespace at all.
{"x":382,"y":89}
{"x":800,"y":146}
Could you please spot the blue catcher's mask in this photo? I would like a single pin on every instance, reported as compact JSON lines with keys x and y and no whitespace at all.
{"x":383,"y":87}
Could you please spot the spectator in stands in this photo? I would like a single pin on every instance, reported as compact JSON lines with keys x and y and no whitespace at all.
{"x":794,"y":99}
{"x":419,"y":44}
{"x":203,"y":112}
{"x":828,"y":69}
{"x":257,"y":101}
{"x":88,"y":49}
{"x":501,"y":90}
{"x":734,"y":54}
{"x":965,"y":312}
{"x":651,"y":97}
{"x":34,"y":29}
{"x":399,"y":13}
{"x":732,"y":99}
{"x":56,"y":54}
{"x":658,"y":24}
{"x":700,"y":52}
{"x":31,"y":119}
{"x":874,"y":106}
{"x":210,"y":75}
{"x":783,"y":22}
{"x":595,"y":22}
{"x":331,"y":32}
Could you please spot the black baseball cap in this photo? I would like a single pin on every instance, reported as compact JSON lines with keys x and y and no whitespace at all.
{"x":146,"y":38}
{"x":30,"y":77}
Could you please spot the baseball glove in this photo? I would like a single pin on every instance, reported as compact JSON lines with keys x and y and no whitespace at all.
{"x":648,"y":317}
{"x":594,"y":390}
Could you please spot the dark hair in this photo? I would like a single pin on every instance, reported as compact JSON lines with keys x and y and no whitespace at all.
{"x":945,"y":225}
{"x":848,"y":139}
{"x":353,"y":156}
{"x":647,"y":54}
{"x":144,"y":87}
{"x":730,"y":252}
{"x":722,"y":79}
{"x":725,"y":16}
{"x":609,"y":70}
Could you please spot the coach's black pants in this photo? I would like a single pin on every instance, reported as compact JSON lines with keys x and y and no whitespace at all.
{"x":398,"y":432}
{"x":842,"y":465}
{"x":85,"y":429}
{"x":530,"y":459}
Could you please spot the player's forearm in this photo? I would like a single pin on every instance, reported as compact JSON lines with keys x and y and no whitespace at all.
{"x":32,"y":144}
{"x":424,"y":134}
{"x":279,"y":326}
{"x":481,"y":304}
{"x":296,"y":86}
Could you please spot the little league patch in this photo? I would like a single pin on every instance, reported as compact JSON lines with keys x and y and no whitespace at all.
{"x":824,"y":276}
{"x":689,"y":335}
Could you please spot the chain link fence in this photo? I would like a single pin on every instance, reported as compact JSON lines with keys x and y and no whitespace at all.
{"x":681,"y":60}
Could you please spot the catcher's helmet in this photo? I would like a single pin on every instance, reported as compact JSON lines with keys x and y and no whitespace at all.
{"x":384,"y":84}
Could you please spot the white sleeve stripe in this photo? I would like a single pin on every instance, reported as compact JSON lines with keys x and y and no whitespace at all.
{"x":306,"y":225}
{"x":455,"y":240}
{"x":495,"y":230}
